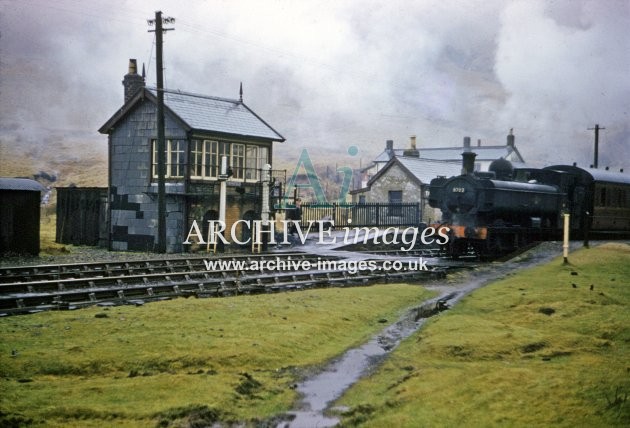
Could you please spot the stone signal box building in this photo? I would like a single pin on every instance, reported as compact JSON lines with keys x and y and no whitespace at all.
{"x":199,"y":131}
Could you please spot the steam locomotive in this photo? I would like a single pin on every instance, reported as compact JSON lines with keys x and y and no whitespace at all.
{"x":492,"y":213}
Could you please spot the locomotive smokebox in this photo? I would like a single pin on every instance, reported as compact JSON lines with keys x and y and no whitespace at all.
{"x":468,"y":163}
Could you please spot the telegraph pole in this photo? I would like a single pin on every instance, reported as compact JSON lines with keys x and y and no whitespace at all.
{"x":596,"y":129}
{"x":161,"y":143}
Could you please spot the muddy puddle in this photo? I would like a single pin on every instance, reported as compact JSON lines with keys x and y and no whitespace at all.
{"x":320,"y":390}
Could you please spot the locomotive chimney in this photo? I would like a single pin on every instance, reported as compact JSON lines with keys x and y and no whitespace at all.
{"x":468,"y":162}
{"x":132,"y":82}
{"x":412,"y":151}
{"x":466,"y":144}
{"x":510,"y":138}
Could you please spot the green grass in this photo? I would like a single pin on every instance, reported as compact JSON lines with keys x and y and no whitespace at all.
{"x":182,"y":361}
{"x":48,"y":233}
{"x":530,"y":350}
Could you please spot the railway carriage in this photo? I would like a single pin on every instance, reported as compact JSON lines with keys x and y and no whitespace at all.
{"x":607,"y":197}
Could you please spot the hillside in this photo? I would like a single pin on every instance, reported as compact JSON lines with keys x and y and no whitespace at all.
{"x":57,"y":164}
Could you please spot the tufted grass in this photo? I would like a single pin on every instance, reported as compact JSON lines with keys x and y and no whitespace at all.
{"x":530,"y":350}
{"x":185,"y":361}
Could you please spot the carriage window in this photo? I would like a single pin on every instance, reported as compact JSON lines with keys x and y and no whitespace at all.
{"x":602,"y":197}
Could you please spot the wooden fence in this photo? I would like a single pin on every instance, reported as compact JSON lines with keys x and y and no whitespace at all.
{"x":82,"y":215}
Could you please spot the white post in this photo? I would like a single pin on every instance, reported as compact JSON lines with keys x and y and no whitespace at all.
{"x":223,"y":189}
{"x":266,"y":176}
{"x":565,"y":245}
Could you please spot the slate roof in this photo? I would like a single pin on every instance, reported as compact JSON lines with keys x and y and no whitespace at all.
{"x":23,"y":184}
{"x":484,"y":153}
{"x":421,"y":170}
{"x":426,"y":170}
{"x":204,"y":113}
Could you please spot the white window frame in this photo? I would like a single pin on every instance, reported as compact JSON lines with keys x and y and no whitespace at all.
{"x":246,"y":160}
{"x":175,"y":148}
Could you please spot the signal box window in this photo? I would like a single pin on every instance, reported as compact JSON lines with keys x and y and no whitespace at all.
{"x":175,"y":151}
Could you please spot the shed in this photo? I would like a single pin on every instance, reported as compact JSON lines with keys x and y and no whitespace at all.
{"x":19,"y":215}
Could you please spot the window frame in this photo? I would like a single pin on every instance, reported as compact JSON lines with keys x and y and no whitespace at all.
{"x":246,"y":160}
{"x":179,"y":171}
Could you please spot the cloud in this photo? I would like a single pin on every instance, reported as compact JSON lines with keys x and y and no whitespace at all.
{"x":330,"y":74}
{"x":563,"y":76}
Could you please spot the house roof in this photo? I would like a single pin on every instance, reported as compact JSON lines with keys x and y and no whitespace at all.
{"x":203,"y":113}
{"x":419,"y":169}
{"x":484,"y":153}
{"x":24,"y":184}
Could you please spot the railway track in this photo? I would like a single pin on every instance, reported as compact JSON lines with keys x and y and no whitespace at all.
{"x":118,"y":268}
{"x":53,"y":287}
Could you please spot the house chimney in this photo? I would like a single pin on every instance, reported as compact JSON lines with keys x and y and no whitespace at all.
{"x":132,"y":81}
{"x":510,"y":138}
{"x":412,"y":151}
{"x":479,"y":142}
{"x":466,"y":144}
{"x":389,"y":145}
{"x":468,"y":163}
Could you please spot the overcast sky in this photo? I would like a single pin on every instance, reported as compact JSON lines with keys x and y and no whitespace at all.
{"x":331,"y":74}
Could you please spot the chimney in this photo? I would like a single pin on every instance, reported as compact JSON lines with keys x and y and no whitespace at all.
{"x":132,"y":81}
{"x":412,"y":151}
{"x":389,"y":148}
{"x":466,"y":144}
{"x":479,"y":142}
{"x":510,"y":138}
{"x":468,"y":163}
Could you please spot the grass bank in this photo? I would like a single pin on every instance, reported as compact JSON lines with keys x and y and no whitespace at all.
{"x":184,"y":361}
{"x":537,"y":349}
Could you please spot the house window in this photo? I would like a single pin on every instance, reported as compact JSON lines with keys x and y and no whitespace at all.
{"x":361,"y":199}
{"x":395,"y":200}
{"x":175,"y":151}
